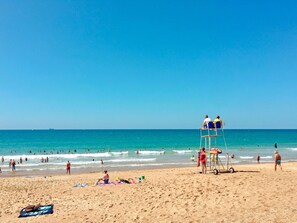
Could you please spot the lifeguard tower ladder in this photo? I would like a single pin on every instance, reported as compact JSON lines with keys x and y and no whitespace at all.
{"x":210,"y":136}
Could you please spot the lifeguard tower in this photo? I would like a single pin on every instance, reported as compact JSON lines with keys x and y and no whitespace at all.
{"x":211,"y":136}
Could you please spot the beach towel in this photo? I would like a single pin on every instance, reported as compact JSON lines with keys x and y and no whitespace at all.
{"x":110,"y":184}
{"x":80,"y":185}
{"x":41,"y":210}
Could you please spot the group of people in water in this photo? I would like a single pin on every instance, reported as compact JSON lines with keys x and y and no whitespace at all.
{"x":12,"y":163}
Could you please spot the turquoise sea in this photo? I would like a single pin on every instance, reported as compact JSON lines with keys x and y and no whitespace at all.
{"x":118,"y":148}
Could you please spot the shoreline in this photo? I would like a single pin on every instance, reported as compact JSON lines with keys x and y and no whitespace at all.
{"x":97,"y":170}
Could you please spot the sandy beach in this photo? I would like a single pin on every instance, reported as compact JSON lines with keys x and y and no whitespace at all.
{"x":255,"y":193}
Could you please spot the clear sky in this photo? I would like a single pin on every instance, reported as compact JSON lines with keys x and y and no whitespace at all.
{"x":147,"y":64}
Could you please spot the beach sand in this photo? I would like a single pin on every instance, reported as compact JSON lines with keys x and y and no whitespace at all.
{"x":256,"y":193}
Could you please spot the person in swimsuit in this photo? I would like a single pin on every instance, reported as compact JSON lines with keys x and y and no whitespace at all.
{"x":258,"y":158}
{"x":13,"y":165}
{"x":277,"y":160}
{"x":68,"y":168}
{"x":203,"y":160}
{"x":105,"y":178}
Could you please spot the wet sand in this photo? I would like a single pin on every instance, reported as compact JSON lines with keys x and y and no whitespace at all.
{"x":255,"y":193}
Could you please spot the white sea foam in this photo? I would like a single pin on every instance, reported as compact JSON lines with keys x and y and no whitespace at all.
{"x":64,"y":156}
{"x":266,"y":157}
{"x":32,"y":164}
{"x":150,"y":152}
{"x":97,"y":163}
{"x":222,"y":157}
{"x":147,"y":164}
{"x":151,"y":164}
{"x":120,"y":153}
{"x":235,"y":161}
{"x":246,"y":157}
{"x":78,"y":163}
{"x":130,"y":160}
{"x":108,"y":166}
{"x":182,"y":151}
{"x":293,"y":149}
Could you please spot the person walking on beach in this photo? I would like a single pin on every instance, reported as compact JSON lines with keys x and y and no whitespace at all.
{"x":206,"y":121}
{"x":13,"y":165}
{"x":258,"y":159}
{"x":2,"y":159}
{"x":68,"y":167}
{"x":203,"y":160}
{"x":277,"y":160}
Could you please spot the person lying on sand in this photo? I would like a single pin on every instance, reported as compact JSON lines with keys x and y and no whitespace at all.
{"x":105,"y":178}
{"x":31,"y":208}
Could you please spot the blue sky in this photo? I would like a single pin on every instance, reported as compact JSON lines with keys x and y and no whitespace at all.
{"x":147,"y":64}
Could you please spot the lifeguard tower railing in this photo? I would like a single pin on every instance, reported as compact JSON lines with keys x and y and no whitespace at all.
{"x":212,"y":131}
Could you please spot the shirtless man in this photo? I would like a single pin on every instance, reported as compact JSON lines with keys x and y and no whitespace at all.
{"x":277,"y":160}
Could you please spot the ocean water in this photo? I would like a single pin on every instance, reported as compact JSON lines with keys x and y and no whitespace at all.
{"x":118,"y":148}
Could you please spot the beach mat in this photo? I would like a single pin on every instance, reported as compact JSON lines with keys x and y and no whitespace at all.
{"x":46,"y":209}
{"x":80,"y":185}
